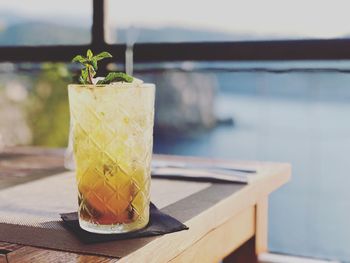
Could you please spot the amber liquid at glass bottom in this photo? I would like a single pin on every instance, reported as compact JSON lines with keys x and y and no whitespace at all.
{"x":112,"y":140}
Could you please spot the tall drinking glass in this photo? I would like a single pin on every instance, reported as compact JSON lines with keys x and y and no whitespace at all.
{"x":112,"y":127}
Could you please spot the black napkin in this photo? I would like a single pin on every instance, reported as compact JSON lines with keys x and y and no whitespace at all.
{"x":159,"y":224}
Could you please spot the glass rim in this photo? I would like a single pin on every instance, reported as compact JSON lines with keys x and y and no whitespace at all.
{"x":127,"y":85}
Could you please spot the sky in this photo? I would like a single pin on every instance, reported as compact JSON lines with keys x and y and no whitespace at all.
{"x":312,"y":18}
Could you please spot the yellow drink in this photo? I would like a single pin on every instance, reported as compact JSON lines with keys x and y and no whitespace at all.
{"x":112,"y":137}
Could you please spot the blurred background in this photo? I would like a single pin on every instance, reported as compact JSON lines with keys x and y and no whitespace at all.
{"x":293,"y":111}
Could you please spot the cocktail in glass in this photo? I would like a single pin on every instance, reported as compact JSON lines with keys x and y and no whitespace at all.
{"x":112,"y":129}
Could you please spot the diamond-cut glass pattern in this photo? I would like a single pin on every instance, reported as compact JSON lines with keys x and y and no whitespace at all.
{"x":113,"y":136}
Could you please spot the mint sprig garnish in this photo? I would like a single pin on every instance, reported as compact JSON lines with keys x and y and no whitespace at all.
{"x":90,"y":68}
{"x":115,"y":77}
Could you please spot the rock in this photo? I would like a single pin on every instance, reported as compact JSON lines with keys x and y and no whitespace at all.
{"x":225,"y":122}
{"x":184,"y":102}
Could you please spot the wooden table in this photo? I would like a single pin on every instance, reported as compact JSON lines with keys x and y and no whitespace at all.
{"x":233,"y":229}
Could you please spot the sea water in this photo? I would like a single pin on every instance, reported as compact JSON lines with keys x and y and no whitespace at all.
{"x":301,"y":118}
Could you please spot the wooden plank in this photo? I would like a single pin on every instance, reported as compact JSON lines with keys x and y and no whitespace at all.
{"x":271,"y":177}
{"x":261,"y":238}
{"x":22,"y":164}
{"x":3,"y":258}
{"x":221,"y":241}
{"x":38,"y":255}
{"x":8,"y":247}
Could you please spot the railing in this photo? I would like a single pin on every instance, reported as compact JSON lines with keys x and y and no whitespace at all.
{"x":334,"y":49}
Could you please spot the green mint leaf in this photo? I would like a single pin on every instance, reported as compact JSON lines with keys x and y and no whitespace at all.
{"x":81,"y":80}
{"x":102,"y":55}
{"x":89,"y":54}
{"x":79,"y":59}
{"x":91,"y":70}
{"x":115,"y":77}
{"x":93,"y":63}
{"x":90,"y":67}
{"x":84,"y":75}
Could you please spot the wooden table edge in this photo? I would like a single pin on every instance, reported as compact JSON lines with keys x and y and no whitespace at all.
{"x":173,"y":245}
{"x":255,"y":194}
